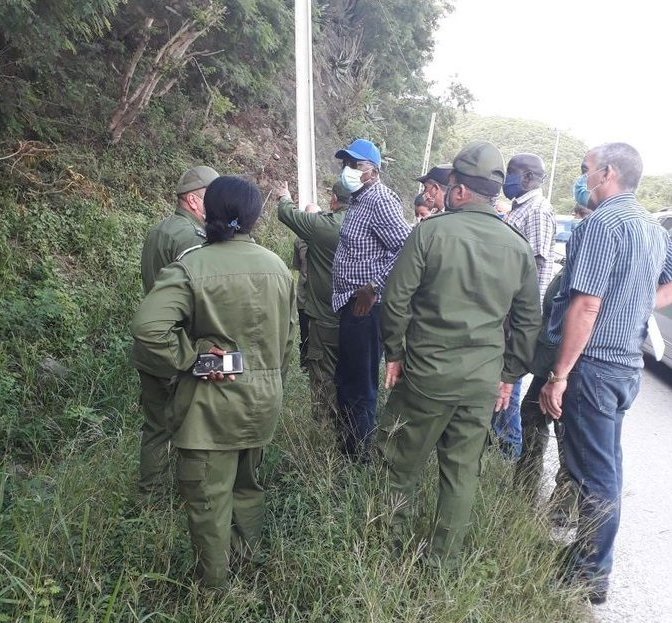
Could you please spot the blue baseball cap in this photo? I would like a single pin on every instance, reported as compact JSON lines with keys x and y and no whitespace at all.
{"x":360,"y":149}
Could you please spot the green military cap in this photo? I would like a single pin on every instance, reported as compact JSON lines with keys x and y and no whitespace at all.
{"x":480,"y":166}
{"x":193,"y":179}
{"x":341,"y":192}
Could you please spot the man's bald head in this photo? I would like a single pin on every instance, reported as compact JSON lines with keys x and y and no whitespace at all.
{"x":525,"y":172}
{"x":522,"y":163}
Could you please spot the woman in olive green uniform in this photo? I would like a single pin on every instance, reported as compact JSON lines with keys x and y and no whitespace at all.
{"x":232,"y":295}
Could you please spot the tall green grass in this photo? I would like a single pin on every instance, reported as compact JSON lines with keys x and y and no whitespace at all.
{"x":77,"y":546}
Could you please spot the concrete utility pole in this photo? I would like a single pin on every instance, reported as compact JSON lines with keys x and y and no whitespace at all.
{"x":428,"y":148}
{"x":555,"y":159}
{"x":305,"y":117}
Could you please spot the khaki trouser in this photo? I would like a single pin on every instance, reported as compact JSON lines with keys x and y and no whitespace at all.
{"x":225,"y":507}
{"x":321,"y":359}
{"x":155,"y":397}
{"x":410,"y":428}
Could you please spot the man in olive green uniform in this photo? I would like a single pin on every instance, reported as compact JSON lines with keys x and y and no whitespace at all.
{"x":300,"y":263}
{"x":459,"y":275}
{"x":320,"y":231}
{"x":165,"y":242}
{"x":232,"y":295}
{"x":530,"y":465}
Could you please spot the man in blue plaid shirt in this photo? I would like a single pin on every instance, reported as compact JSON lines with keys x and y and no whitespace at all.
{"x":619,"y":266}
{"x":372,"y":234}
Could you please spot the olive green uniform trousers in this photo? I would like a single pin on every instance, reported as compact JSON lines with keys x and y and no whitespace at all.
{"x":321,"y":359}
{"x":225,"y":507}
{"x":413,"y":425}
{"x":155,"y":397}
{"x":530,"y":466}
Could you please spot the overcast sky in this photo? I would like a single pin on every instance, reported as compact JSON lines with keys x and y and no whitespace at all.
{"x":600,"y":70}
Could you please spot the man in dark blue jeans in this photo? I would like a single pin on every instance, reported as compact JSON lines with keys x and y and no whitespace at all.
{"x":619,"y":265}
{"x":359,"y":355}
{"x":372,"y":234}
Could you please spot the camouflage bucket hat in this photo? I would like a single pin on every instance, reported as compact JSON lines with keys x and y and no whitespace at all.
{"x":193,"y":179}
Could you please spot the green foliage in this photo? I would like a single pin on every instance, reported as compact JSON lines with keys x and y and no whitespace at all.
{"x":39,"y":43}
{"x":67,"y":288}
{"x":369,"y":56}
{"x":74,"y":79}
{"x":77,"y":545}
{"x":221,"y":104}
{"x":58,"y":25}
{"x":256,"y":43}
{"x":655,"y":192}
{"x":397,"y":36}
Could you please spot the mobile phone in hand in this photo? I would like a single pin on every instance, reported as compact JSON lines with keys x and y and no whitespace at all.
{"x":229,"y":363}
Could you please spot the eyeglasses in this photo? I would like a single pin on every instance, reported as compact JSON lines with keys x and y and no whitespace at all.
{"x":587,"y":175}
{"x":354,"y":164}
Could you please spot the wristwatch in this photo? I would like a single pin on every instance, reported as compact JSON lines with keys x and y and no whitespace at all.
{"x":554,"y":378}
{"x":374,"y":286}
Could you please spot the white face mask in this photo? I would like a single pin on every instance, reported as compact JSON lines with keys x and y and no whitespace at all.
{"x":352,"y":179}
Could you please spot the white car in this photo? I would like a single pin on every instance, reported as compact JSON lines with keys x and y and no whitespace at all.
{"x":663,"y":316}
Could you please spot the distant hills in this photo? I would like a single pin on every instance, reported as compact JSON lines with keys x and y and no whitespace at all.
{"x":514,"y":136}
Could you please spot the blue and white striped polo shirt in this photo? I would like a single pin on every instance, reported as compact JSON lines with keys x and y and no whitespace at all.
{"x":619,"y":254}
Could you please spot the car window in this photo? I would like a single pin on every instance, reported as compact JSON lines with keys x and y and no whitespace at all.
{"x":563,"y":228}
{"x":666,"y":222}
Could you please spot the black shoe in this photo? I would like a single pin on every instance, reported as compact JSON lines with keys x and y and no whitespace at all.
{"x":597,"y":597}
{"x":570,"y":577}
{"x":562,"y":519}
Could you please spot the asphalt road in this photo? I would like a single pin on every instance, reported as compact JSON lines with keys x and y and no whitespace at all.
{"x":642,"y":578}
{"x":641,"y":583}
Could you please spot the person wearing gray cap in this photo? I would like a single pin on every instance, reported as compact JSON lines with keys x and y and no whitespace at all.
{"x":458,"y":277}
{"x":164,"y":244}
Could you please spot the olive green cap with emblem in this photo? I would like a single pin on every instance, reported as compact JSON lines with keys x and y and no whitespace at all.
{"x":195,"y":178}
{"x":480,"y":166}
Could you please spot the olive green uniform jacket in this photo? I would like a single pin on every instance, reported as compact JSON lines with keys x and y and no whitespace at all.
{"x":238,"y":296}
{"x":320,"y":230}
{"x":166,"y":240}
{"x":457,"y":277}
{"x":300,"y":263}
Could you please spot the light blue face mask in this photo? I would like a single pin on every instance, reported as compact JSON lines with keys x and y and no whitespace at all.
{"x":352,"y":179}
{"x":581,"y":192}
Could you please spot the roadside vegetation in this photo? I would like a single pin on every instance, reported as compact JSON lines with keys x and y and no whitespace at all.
{"x":76,"y":545}
{"x":77,"y":195}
